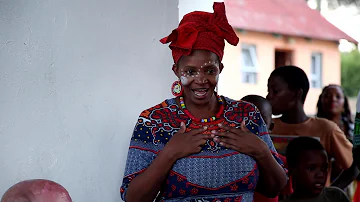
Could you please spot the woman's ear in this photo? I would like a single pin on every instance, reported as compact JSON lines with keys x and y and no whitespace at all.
{"x":221,"y":67}
{"x":175,"y":69}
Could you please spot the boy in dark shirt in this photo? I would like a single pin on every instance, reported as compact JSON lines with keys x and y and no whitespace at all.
{"x":308,"y":166}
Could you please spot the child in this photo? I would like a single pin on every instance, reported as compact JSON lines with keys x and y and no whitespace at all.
{"x":36,"y":190}
{"x":308,"y":166}
{"x":264,"y":107}
{"x":288,"y":87}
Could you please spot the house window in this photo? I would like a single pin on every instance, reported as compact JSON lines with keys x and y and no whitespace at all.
{"x":249,"y":64}
{"x":316,"y":70}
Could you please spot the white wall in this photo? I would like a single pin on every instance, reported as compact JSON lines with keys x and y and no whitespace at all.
{"x":74,"y":76}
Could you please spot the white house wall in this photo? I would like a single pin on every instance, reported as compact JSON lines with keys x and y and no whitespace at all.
{"x":74,"y":76}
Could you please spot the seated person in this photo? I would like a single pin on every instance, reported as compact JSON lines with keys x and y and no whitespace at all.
{"x":308,"y":166}
{"x":36,"y":191}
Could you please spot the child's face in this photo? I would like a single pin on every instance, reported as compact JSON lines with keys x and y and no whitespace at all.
{"x":266,"y":115}
{"x":311,"y":172}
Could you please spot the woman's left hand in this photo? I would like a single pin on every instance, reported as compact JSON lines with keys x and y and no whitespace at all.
{"x":241,"y":140}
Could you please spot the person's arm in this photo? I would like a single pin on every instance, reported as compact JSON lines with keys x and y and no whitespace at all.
{"x":342,"y":151}
{"x":147,"y":185}
{"x":272,"y":176}
{"x":145,"y":171}
{"x":346,"y":177}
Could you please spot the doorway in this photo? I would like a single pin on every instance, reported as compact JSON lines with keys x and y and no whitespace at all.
{"x":283,"y":57}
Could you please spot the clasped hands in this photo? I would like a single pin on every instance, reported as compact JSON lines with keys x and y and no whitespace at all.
{"x":183,"y":143}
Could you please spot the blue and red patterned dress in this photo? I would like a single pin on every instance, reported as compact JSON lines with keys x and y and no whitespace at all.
{"x":214,"y":174}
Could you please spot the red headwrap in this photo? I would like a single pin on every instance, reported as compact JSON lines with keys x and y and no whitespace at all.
{"x":202,"y":30}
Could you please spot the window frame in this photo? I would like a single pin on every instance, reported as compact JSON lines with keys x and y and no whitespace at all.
{"x":317,"y":76}
{"x":249,"y":70}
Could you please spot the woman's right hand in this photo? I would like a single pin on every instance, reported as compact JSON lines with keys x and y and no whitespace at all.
{"x":184,"y":144}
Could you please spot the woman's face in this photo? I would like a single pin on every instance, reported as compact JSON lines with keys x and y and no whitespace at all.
{"x":199,"y":75}
{"x":333,"y":100}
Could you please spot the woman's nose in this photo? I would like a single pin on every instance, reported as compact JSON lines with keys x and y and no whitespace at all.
{"x":201,"y":78}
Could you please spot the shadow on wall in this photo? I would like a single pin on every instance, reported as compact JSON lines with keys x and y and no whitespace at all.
{"x":36,"y":190}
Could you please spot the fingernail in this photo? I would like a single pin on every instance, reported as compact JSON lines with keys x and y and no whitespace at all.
{"x":212,"y":135}
{"x":219,"y":124}
{"x":182,"y":124}
{"x":221,"y":143}
{"x":205,"y":128}
{"x":213,"y":131}
{"x":216,"y":139}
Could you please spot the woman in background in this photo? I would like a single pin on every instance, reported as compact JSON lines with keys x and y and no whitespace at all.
{"x":334,"y":106}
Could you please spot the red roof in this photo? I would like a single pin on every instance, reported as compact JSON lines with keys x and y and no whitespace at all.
{"x":287,"y":17}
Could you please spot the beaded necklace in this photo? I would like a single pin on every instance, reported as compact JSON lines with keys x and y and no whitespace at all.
{"x":221,"y":102}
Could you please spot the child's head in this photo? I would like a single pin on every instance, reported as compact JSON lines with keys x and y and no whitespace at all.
{"x":264,"y":107}
{"x":287,"y":87}
{"x":36,"y":190}
{"x":308,"y":165}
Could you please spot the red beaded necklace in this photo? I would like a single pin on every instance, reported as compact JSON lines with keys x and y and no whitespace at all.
{"x":186,"y":111}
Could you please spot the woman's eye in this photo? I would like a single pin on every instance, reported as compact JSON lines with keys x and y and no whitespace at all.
{"x":211,"y":71}
{"x":190,"y":72}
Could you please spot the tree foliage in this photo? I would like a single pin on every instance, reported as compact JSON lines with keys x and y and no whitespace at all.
{"x":350,"y":72}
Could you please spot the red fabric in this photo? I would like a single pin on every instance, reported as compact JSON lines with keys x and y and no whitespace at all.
{"x":202,"y":30}
{"x":357,"y":192}
{"x":286,"y":191}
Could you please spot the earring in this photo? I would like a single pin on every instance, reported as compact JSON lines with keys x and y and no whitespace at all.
{"x":177,"y":89}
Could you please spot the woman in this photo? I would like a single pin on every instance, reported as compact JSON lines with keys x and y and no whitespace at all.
{"x":197,"y":146}
{"x":334,"y":106}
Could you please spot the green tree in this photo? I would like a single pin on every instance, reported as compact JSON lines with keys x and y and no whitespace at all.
{"x":350,"y":72}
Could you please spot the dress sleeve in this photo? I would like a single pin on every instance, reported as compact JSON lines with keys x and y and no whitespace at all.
{"x":257,"y":126}
{"x":341,"y":148}
{"x":142,"y":151}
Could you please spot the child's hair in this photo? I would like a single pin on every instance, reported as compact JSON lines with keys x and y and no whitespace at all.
{"x":298,"y":146}
{"x":346,"y":116}
{"x":257,"y":100}
{"x":262,"y":104}
{"x":295,"y":77}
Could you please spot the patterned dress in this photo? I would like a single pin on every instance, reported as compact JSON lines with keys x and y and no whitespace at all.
{"x":214,"y":174}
